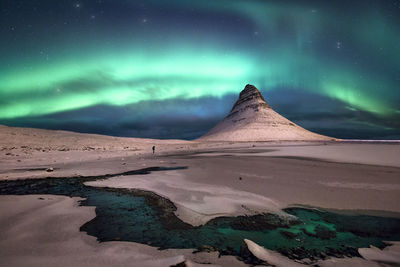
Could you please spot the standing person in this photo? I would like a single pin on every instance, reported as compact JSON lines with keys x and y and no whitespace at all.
{"x":154,"y":149}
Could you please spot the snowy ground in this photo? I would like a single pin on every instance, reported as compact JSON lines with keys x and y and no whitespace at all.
{"x":222,"y":178}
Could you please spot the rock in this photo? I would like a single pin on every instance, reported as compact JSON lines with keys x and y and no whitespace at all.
{"x":288,"y":235}
{"x":308,"y":233}
{"x":321,"y":232}
{"x":207,"y":248}
{"x":258,"y":222}
{"x":324,"y":233}
{"x":352,"y":252}
{"x":49,"y":169}
{"x":323,"y":255}
{"x":306,"y":261}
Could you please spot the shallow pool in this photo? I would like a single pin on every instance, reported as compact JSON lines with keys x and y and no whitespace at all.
{"x":144,"y":217}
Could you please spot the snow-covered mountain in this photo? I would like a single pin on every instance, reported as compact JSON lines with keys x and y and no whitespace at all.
{"x":252,"y":119}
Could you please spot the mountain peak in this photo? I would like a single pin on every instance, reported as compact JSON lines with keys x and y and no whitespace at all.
{"x":250,"y":87}
{"x":250,"y":98}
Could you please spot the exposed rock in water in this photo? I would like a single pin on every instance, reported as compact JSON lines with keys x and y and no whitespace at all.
{"x":321,"y":232}
{"x":181,"y":264}
{"x":259,"y":222}
{"x":324,"y":232}
{"x":288,"y":235}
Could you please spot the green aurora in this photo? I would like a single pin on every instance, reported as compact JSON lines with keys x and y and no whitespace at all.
{"x":95,"y":54}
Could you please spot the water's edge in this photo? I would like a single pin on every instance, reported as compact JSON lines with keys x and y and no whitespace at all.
{"x":145,"y":217}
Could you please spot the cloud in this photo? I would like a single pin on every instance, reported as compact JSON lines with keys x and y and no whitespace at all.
{"x":331,"y":116}
{"x":191,"y":118}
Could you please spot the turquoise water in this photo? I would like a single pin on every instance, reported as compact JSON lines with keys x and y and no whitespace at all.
{"x":135,"y":216}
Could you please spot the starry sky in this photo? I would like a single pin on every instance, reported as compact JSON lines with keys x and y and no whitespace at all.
{"x":173,"y":69}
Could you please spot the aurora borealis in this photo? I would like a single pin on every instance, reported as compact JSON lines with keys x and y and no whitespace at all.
{"x":172,"y":69}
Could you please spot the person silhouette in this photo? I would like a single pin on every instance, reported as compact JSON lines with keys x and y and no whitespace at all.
{"x":154,"y":149}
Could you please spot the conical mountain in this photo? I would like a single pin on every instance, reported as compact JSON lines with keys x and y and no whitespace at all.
{"x":252,"y":119}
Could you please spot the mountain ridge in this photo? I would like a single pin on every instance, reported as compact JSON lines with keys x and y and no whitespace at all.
{"x":253,"y":119}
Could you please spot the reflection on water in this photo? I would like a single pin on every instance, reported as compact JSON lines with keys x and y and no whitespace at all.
{"x":146,"y":218}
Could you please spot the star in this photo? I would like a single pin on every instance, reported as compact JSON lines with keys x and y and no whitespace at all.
{"x":338,"y":45}
{"x":77,"y":5}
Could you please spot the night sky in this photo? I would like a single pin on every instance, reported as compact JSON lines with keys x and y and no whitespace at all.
{"x":173,"y":69}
